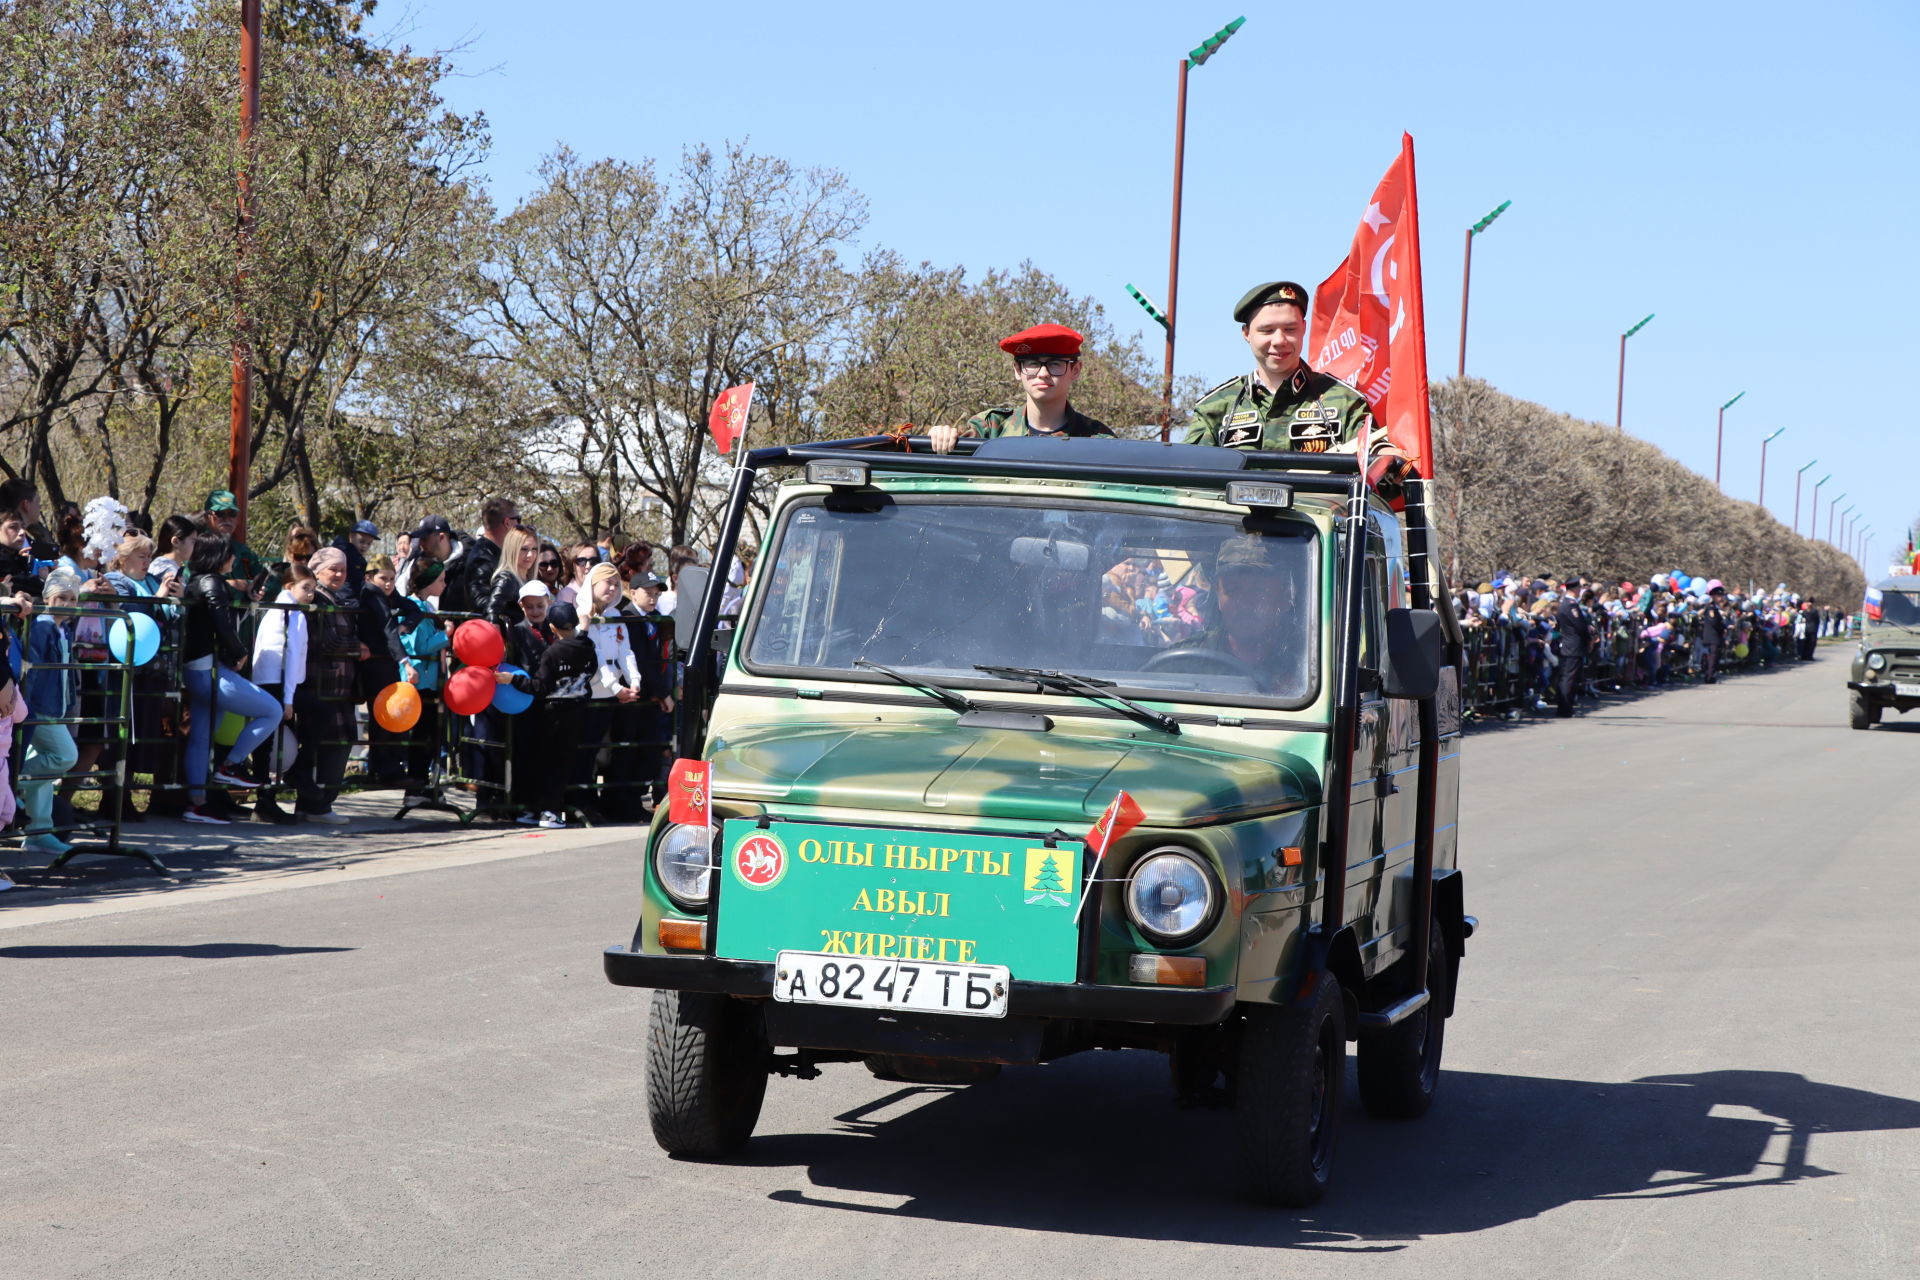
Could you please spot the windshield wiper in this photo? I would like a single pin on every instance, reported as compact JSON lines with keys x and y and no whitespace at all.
{"x":1086,"y":687}
{"x":945,"y":697}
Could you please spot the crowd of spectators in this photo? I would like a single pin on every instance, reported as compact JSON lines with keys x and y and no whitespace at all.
{"x":269,"y":669}
{"x":1537,"y":642}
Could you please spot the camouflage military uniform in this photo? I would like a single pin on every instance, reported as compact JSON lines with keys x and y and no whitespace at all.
{"x":1313,"y":413}
{"x":1012,"y":421}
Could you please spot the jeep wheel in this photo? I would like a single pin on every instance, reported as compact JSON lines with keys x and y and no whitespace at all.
{"x":1289,"y":1083}
{"x":707,"y":1060}
{"x":1862,"y":713}
{"x":1399,"y":1068}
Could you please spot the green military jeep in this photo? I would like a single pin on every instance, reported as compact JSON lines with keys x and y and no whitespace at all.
{"x":1886,"y":669}
{"x":948,"y":668}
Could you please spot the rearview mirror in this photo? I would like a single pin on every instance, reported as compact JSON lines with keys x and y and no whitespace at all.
{"x":1049,"y":553}
{"x":1413,"y":654}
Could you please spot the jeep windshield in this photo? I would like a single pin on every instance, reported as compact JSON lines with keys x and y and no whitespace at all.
{"x":1164,"y":603}
{"x":1899,"y":608}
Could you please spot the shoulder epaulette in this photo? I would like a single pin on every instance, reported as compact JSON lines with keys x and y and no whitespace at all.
{"x":1213,"y":391}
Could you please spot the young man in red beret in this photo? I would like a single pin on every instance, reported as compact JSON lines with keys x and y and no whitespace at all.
{"x":1046,"y":363}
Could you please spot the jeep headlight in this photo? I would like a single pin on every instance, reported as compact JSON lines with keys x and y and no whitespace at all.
{"x":683,"y":859}
{"x":1172,"y":895}
{"x":1876,"y":662}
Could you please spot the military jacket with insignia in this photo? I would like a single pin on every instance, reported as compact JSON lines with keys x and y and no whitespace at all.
{"x":1313,"y":413}
{"x":1012,"y":421}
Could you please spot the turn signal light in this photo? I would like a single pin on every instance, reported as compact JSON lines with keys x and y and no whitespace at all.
{"x":1168,"y":971}
{"x":683,"y":935}
{"x":1290,"y":856}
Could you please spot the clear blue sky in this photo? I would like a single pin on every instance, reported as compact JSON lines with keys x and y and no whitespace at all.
{"x":1745,"y":171}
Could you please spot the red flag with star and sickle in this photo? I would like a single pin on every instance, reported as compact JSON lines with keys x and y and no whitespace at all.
{"x":728,"y":421}
{"x":1369,"y":323}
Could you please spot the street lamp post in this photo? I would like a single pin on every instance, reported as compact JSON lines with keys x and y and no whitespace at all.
{"x":1620,"y":400}
{"x":1763,"y":465}
{"x":1832,"y":510}
{"x":1846,"y":519}
{"x":1796,"y":496}
{"x":1813,"y":517}
{"x":1719,"y":438}
{"x":1197,"y":57}
{"x":1466,"y":278}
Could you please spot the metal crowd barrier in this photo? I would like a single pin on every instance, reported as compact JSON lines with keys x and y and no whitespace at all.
{"x":144,"y":711}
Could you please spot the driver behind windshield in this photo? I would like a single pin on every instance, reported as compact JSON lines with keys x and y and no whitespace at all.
{"x":1254,"y":589}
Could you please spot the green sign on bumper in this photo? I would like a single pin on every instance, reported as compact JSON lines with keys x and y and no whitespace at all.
{"x":941,"y":897}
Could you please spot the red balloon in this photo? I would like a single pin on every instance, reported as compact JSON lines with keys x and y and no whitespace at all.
{"x":478,"y":644}
{"x":470,"y":690}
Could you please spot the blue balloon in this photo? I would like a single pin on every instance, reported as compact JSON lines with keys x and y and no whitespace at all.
{"x":146,"y":639}
{"x":507,"y":700}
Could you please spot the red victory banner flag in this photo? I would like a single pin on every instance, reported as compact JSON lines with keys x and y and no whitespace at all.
{"x":1122,"y":816}
{"x":1369,"y":323}
{"x":690,"y":793}
{"x":728,"y":421}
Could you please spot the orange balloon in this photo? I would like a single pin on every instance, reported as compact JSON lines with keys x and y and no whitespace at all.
{"x":396,"y":708}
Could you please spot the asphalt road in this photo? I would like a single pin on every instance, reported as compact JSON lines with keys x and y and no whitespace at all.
{"x":1686,"y":1046}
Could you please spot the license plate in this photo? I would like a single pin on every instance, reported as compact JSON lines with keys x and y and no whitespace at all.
{"x":865,"y":982}
{"x":1907,"y":690}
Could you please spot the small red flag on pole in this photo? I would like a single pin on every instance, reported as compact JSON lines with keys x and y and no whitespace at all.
{"x":1369,"y":319}
{"x":1122,"y":816}
{"x":728,"y":421}
{"x":690,"y":800}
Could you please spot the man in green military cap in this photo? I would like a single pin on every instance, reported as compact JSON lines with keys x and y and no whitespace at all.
{"x":1046,"y":364}
{"x":1282,"y":404}
{"x":223,"y":517}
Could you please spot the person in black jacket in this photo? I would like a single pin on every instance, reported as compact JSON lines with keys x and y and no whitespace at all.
{"x":379,"y":630}
{"x":563,"y":683}
{"x":212,"y":654}
{"x":1713,"y":629}
{"x":1574,"y":639}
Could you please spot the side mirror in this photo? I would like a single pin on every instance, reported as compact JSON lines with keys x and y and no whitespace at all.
{"x":1413,"y":654}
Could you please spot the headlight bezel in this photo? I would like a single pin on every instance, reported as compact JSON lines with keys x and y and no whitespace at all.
{"x":1215,"y":903}
{"x":1876,"y":661}
{"x":672,"y":840}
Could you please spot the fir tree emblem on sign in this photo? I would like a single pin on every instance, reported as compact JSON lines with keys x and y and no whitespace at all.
{"x":1046,"y":882}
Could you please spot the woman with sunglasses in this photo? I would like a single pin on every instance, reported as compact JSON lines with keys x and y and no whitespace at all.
{"x":580,"y":560}
{"x":550,"y":569}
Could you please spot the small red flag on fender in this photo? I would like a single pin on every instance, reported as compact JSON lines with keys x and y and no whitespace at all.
{"x":728,"y":421}
{"x":1122,"y":816}
{"x":690,"y":797}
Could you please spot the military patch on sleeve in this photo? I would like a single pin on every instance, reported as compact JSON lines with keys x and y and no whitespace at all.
{"x":1240,"y":435}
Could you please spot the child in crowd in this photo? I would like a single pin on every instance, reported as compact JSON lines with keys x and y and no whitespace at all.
{"x":527,"y":639}
{"x":280,"y":668}
{"x":53,"y":691}
{"x":563,"y":683}
{"x":424,"y":639}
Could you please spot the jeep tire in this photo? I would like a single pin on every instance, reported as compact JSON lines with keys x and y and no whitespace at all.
{"x":1289,"y":1086}
{"x":1862,"y":711}
{"x":707,"y":1062}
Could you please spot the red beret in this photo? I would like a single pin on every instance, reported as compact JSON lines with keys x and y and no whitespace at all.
{"x":1043,"y":340}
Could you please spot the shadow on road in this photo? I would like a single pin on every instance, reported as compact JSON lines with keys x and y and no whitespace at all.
{"x":199,"y":951}
{"x":1096,"y":1146}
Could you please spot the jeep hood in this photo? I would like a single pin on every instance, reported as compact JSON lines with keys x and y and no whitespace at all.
{"x":1006,"y":774}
